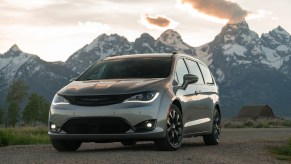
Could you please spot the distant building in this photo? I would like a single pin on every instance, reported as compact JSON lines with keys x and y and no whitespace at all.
{"x":256,"y":111}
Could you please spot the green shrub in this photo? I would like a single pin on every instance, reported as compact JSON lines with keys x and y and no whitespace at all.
{"x":23,"y":136}
{"x":249,"y":123}
{"x":233,"y":125}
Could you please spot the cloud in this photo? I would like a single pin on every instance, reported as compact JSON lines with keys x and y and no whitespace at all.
{"x":93,"y":26}
{"x":259,"y":14}
{"x":223,"y":9}
{"x":159,"y":22}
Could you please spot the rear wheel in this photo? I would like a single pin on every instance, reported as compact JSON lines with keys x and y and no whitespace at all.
{"x":128,"y":143}
{"x":174,"y":132}
{"x":213,"y":138}
{"x":65,"y":145}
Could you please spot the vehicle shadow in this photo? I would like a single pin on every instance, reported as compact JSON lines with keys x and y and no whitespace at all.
{"x":140,"y":146}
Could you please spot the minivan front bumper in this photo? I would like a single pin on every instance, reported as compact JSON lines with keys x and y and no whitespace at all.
{"x":139,"y":136}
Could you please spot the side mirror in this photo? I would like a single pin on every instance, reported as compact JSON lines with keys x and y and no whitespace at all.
{"x":189,"y":79}
{"x":73,"y":79}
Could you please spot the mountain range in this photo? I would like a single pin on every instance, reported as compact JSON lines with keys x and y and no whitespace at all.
{"x":248,"y":68}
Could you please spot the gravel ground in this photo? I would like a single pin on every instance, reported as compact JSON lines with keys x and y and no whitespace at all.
{"x":236,"y":146}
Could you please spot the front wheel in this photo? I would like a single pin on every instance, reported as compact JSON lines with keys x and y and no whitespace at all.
{"x":65,"y":145}
{"x":213,"y":138}
{"x":174,"y":131}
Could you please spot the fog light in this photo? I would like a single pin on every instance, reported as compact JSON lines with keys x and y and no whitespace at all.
{"x":54,"y":127}
{"x":145,"y":126}
{"x":149,"y":125}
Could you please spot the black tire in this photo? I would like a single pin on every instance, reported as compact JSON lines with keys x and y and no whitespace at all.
{"x":213,"y":138}
{"x":128,"y":143}
{"x":174,"y":134}
{"x":65,"y":145}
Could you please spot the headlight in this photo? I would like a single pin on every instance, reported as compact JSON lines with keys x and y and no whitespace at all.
{"x":144,"y":97}
{"x":59,"y":100}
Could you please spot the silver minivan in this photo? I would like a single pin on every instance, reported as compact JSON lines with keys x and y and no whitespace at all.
{"x":140,"y":97}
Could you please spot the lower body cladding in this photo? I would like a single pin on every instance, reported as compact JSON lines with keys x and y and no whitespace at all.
{"x":119,"y":122}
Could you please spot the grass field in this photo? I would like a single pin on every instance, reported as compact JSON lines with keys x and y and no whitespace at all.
{"x":23,"y":136}
{"x":283,"y":152}
{"x":259,"y":123}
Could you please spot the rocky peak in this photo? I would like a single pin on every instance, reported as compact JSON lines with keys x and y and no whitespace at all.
{"x":14,"y":48}
{"x":280,"y":35}
{"x":106,"y":39}
{"x":146,"y":37}
{"x":16,"y":53}
{"x":173,"y":39}
{"x":144,"y":44}
{"x":236,"y":26}
{"x":276,"y":37}
{"x":170,"y":37}
{"x":237,"y":33}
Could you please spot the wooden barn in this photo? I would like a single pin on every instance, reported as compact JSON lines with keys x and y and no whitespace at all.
{"x":256,"y":111}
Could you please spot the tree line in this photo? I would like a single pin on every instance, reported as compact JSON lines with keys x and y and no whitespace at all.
{"x":34,"y":113}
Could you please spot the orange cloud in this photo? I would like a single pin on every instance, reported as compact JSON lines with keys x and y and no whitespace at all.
{"x":223,"y":9}
{"x":158,"y":22}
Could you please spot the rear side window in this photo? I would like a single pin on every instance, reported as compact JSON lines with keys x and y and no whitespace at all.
{"x":181,"y":70}
{"x":194,"y":69}
{"x":206,"y":74}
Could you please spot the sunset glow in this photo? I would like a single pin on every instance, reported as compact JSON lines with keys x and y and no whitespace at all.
{"x":188,"y":9}
{"x":55,"y":29}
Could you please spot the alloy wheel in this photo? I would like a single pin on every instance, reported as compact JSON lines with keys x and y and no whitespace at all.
{"x":174,"y":128}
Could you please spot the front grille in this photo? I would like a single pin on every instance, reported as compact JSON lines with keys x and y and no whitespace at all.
{"x":99,"y":100}
{"x":110,"y":125}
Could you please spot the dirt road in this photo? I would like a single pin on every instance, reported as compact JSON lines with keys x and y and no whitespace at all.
{"x":236,"y":146}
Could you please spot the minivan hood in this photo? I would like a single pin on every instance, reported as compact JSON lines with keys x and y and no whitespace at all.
{"x":112,"y":86}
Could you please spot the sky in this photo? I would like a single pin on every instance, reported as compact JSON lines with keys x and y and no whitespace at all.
{"x":55,"y":29}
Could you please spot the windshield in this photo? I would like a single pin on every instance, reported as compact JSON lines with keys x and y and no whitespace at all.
{"x":157,"y":67}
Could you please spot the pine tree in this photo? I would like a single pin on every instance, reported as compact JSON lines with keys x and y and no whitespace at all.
{"x":36,"y":110}
{"x":13,"y":114}
{"x":15,"y":94}
{"x":44,"y":112}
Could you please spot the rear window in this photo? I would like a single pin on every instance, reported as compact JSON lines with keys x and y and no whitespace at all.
{"x":157,"y":67}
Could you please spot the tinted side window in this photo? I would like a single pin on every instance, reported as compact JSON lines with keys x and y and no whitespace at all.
{"x":206,"y":74}
{"x":194,"y":69}
{"x":181,"y":70}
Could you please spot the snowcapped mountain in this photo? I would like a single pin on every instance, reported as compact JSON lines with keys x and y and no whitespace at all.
{"x":42,"y":77}
{"x":173,"y":39}
{"x":105,"y":45}
{"x":250,"y":69}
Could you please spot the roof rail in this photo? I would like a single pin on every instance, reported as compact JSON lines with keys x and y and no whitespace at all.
{"x":109,"y":56}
